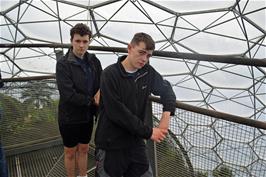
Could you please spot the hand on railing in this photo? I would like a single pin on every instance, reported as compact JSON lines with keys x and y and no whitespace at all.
{"x":158,"y":134}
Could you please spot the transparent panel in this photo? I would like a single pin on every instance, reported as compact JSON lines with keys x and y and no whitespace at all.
{"x":50,"y":28}
{"x":108,"y":11}
{"x":35,"y":12}
{"x":212,"y":44}
{"x":195,"y":5}
{"x":166,"y":67}
{"x":6,"y":4}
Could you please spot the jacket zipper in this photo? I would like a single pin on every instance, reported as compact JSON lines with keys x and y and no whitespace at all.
{"x":140,"y":76}
{"x":136,"y":87}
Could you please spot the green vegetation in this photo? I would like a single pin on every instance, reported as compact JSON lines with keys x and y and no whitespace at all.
{"x":12,"y":114}
{"x":223,"y":171}
{"x":171,"y":162}
{"x":38,"y":94}
{"x":33,"y":116}
{"x":201,"y":174}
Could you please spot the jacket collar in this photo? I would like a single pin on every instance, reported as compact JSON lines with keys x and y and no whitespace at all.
{"x":72,"y":58}
{"x":123,"y":71}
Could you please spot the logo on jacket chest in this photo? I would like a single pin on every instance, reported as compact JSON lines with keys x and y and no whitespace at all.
{"x":143,"y":87}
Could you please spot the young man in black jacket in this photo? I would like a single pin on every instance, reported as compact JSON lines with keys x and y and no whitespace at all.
{"x":125,"y":88}
{"x":78,"y":79}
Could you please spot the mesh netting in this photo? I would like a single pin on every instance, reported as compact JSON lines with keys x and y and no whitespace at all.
{"x":197,"y":145}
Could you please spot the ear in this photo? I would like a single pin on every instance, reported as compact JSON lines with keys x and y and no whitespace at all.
{"x":129,"y":47}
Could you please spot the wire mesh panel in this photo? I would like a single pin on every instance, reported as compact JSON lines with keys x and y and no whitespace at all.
{"x":29,"y":130}
{"x":29,"y":112}
{"x":45,"y":162}
{"x":35,"y":163}
{"x":210,"y":147}
{"x":197,"y":145}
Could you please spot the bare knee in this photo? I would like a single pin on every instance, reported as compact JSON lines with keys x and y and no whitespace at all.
{"x":83,"y":148}
{"x":70,"y":153}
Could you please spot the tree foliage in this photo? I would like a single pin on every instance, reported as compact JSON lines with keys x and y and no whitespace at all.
{"x":31,"y":111}
{"x":38,"y":94}
{"x":223,"y":171}
{"x":12,"y":113}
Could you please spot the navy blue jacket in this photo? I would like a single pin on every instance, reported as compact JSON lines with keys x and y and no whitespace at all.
{"x":75,"y":105}
{"x":123,"y":105}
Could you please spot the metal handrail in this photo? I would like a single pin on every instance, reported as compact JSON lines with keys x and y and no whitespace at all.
{"x":230,"y":59}
{"x":217,"y":114}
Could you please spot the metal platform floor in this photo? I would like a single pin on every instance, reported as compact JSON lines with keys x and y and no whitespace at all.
{"x":48,"y":162}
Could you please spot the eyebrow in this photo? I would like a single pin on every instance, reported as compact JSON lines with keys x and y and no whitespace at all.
{"x":146,"y":51}
{"x":142,"y":50}
{"x":79,"y":40}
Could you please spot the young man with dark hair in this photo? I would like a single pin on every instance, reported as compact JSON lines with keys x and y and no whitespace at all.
{"x":125,"y":88}
{"x":78,"y":79}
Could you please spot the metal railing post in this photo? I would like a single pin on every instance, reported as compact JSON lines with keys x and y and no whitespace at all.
{"x":59,"y":53}
{"x":151,"y":145}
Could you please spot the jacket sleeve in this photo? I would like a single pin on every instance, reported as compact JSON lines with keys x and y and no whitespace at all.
{"x":66,"y":89}
{"x":164,"y":89}
{"x":99,"y":70}
{"x":117,"y":111}
{"x":95,"y":109}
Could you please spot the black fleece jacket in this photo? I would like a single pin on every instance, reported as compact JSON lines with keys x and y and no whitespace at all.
{"x":123,"y":105}
{"x":75,"y":99}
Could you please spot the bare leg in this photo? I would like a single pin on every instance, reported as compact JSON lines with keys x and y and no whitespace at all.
{"x":70,"y":161}
{"x":82,"y":159}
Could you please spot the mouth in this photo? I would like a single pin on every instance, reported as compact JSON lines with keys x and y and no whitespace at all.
{"x":141,"y":64}
{"x":81,"y":50}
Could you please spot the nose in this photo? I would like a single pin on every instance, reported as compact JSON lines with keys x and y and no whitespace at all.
{"x":81,"y":44}
{"x":145,"y":58}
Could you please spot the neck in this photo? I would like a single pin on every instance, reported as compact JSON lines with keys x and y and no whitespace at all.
{"x":127,"y":66}
{"x":77,"y":55}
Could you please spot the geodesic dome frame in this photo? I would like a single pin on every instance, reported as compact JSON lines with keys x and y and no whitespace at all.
{"x":233,"y":30}
{"x":228,"y":28}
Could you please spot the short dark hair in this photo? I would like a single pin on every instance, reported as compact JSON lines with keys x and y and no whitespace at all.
{"x":80,"y":29}
{"x":143,"y":37}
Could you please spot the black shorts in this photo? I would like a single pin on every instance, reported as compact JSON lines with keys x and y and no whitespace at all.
{"x":74,"y":134}
{"x":130,"y":162}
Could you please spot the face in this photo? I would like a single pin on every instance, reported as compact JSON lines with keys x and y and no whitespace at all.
{"x":80,"y":44}
{"x":138,"y":55}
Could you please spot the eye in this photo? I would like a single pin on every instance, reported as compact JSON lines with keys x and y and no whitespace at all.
{"x":82,"y":41}
{"x":142,"y":52}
